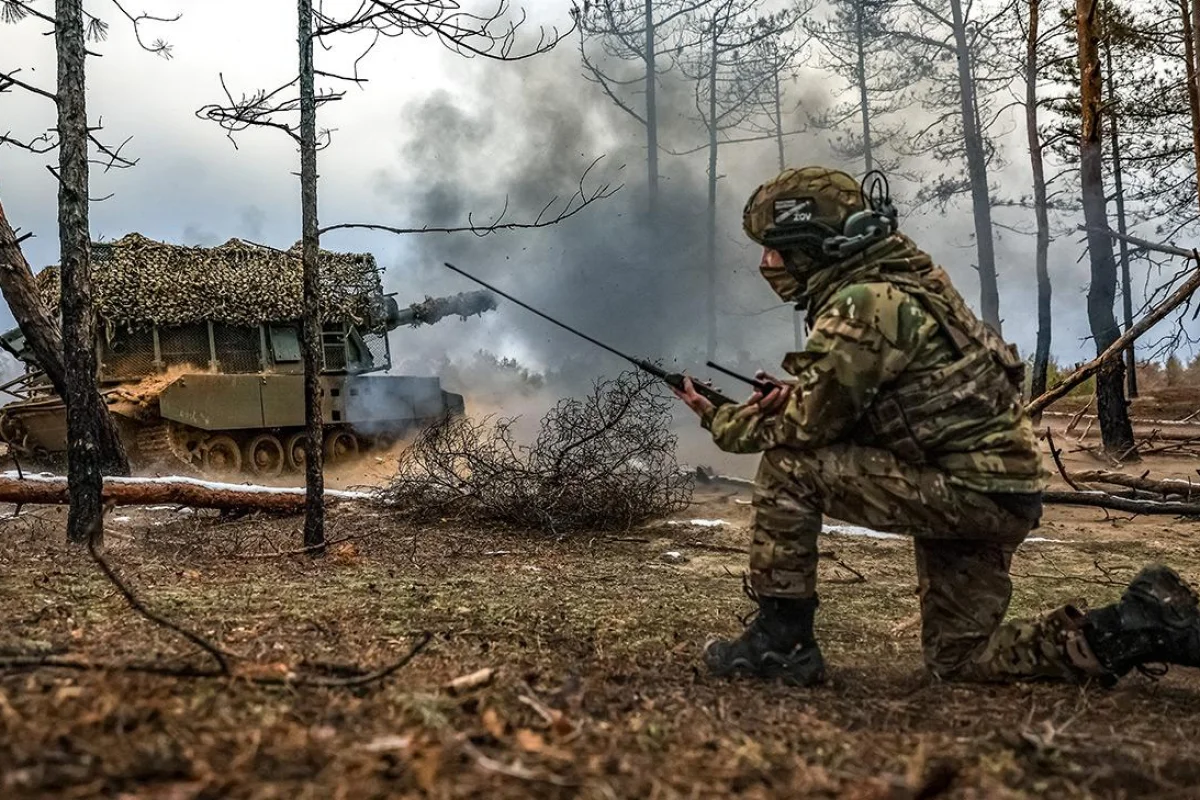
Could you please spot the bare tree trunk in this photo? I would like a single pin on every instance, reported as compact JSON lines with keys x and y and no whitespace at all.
{"x":314,"y":507}
{"x":20,"y":292}
{"x":797,"y":315}
{"x":779,"y":116}
{"x":1119,"y":189}
{"x":1041,"y":356}
{"x":1115,"y":428}
{"x":863,"y":100}
{"x":711,"y":233}
{"x":651,"y":114}
{"x":86,"y":413}
{"x":44,"y":336}
{"x":977,"y":174}
{"x":1193,"y":78}
{"x":1192,"y":38}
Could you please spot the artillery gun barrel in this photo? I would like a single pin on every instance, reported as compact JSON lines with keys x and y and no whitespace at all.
{"x":434,"y":309}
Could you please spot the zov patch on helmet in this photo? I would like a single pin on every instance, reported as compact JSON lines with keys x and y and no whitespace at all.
{"x":794,"y":209}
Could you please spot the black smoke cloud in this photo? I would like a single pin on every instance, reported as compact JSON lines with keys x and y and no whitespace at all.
{"x":520,"y":137}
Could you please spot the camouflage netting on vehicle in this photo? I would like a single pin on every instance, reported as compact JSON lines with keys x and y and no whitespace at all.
{"x":138,"y":281}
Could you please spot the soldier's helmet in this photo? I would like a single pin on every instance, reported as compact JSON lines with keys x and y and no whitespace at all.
{"x":801,"y":208}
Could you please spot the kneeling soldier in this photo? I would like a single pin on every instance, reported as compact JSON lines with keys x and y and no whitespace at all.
{"x":906,"y":416}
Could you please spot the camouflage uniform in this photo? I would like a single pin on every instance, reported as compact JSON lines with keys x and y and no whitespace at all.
{"x":906,"y":416}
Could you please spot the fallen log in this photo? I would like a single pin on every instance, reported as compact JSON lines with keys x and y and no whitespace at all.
{"x":1106,"y":500}
{"x":1114,"y":350}
{"x":1161,"y":486}
{"x":1162,"y":430}
{"x":43,"y":489}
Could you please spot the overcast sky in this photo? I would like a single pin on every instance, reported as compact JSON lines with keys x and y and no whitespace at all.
{"x":433,"y":136}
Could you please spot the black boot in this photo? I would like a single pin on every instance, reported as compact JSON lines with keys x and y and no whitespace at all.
{"x":778,"y":643}
{"x":1157,"y":621}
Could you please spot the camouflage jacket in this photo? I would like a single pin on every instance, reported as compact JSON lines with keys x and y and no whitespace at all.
{"x":895,"y":359}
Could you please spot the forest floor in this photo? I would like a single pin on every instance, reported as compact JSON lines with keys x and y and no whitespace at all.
{"x":595,"y":643}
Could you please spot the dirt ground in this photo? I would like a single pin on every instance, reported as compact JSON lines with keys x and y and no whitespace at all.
{"x":595,"y":641}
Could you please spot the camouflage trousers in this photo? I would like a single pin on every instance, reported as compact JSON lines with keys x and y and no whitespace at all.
{"x":964,"y":545}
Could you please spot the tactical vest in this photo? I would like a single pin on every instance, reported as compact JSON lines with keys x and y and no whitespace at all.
{"x":966,"y":417}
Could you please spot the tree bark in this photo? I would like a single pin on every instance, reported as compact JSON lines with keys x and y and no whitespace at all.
{"x":86,"y":413}
{"x":776,"y":66}
{"x":1041,"y":355}
{"x":863,"y":99}
{"x":20,"y":292}
{"x":1119,"y":192}
{"x":1193,"y":78}
{"x":36,"y":490}
{"x":977,"y":174}
{"x":1115,"y":428}
{"x":1105,"y":500}
{"x":44,"y":337}
{"x":1166,"y":487}
{"x":711,"y":232}
{"x":651,"y":115}
{"x":311,"y":346}
{"x":798,"y":332}
{"x":1193,"y":39}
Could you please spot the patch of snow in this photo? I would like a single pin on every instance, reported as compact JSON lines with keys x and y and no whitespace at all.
{"x":700,"y":523}
{"x":856,"y":530}
{"x":118,"y":519}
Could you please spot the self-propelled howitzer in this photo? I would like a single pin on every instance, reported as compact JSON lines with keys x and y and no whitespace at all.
{"x":199,"y":353}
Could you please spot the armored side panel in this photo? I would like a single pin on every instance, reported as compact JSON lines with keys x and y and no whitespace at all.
{"x":369,"y":403}
{"x":215,"y":402}
{"x":382,"y":403}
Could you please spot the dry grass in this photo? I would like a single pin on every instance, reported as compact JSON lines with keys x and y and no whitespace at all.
{"x":596,"y":644}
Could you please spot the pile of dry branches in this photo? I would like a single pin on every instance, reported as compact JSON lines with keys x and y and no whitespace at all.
{"x":604,"y":462}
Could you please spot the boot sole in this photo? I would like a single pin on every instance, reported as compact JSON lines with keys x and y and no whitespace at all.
{"x":772,"y":667}
{"x":1174,"y":593}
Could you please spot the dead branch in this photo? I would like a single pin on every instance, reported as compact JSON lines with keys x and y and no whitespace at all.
{"x":513,"y":770}
{"x":604,"y":462}
{"x":220,"y":657}
{"x":95,"y":536}
{"x":858,"y":576}
{"x":1079,"y":414}
{"x":1145,"y":244}
{"x":582,"y":198}
{"x":301,"y":551}
{"x":1057,"y":454}
{"x":263,"y":108}
{"x":289,"y":679}
{"x":1165,"y":487}
{"x":1158,"y":429}
{"x":1182,"y":294}
{"x":1106,"y":500}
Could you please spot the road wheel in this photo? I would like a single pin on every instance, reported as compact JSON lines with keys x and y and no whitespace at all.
{"x":340,"y":447}
{"x":222,"y":456}
{"x":294,"y":450}
{"x":264,"y":456}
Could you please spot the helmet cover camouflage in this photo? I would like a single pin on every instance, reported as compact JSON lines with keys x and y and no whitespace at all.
{"x":826,"y":197}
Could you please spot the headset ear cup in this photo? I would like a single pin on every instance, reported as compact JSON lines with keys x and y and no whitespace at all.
{"x":858,"y":223}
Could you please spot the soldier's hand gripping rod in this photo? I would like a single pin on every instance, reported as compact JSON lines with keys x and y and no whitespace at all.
{"x":673,"y":379}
